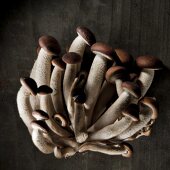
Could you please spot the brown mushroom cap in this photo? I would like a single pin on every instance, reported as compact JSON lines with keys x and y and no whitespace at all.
{"x":152,"y":104}
{"x":40,"y":125}
{"x":86,"y":34}
{"x":128,"y":150}
{"x":71,"y":58}
{"x":59,"y":63}
{"x":149,"y":62}
{"x":125,"y":58}
{"x":132,"y":88}
{"x":132,"y":111}
{"x":116,"y":72}
{"x":29,"y":84}
{"x":60,"y":119}
{"x":104,"y":50}
{"x":40,"y":115}
{"x":44,"y":90}
{"x":49,"y":44}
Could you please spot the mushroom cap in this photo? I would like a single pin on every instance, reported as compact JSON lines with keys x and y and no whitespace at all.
{"x":29,"y":84}
{"x":44,"y":90}
{"x":104,"y":50}
{"x":116,"y":72}
{"x":40,"y":125}
{"x":49,"y":44}
{"x":152,"y":104}
{"x":40,"y":115}
{"x":128,"y":152}
{"x":71,"y":58}
{"x":149,"y":62}
{"x":62,"y":121}
{"x":132,"y":88}
{"x":132,"y":111}
{"x":86,"y":34}
{"x":59,"y":63}
{"x":125,"y":58}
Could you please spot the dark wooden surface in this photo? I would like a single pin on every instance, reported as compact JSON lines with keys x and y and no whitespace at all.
{"x":139,"y":26}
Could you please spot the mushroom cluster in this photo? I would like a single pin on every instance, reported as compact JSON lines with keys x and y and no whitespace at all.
{"x":69,"y":109}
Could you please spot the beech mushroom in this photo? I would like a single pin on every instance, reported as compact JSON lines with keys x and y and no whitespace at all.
{"x":106,"y":96}
{"x":79,"y":119}
{"x":117,"y":74}
{"x":41,"y":138}
{"x":47,"y":106}
{"x":56,"y":84}
{"x":121,"y":149}
{"x":62,"y":121}
{"x":49,"y":47}
{"x":96,"y":76}
{"x":29,"y":87}
{"x":148,"y":64}
{"x":85,"y":37}
{"x":40,"y":115}
{"x":148,"y":113}
{"x":131,"y":90}
{"x":63,"y":152}
{"x":125,"y":59}
{"x":131,"y":113}
{"x":71,"y":59}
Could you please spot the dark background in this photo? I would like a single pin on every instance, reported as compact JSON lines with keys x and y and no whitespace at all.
{"x":139,"y":26}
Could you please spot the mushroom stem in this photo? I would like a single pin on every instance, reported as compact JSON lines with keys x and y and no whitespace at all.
{"x":24,"y":107}
{"x":145,"y":78}
{"x":112,"y":113}
{"x":93,"y":84}
{"x":69,"y":76}
{"x":145,"y":117}
{"x":79,"y":123}
{"x":43,"y":68}
{"x":123,"y":150}
{"x":112,"y":130}
{"x":78,"y":45}
{"x":47,"y":106}
{"x":42,"y":141}
{"x":131,"y":90}
{"x":119,"y":88}
{"x":63,"y":152}
{"x":56,"y":85}
{"x":107,"y":93}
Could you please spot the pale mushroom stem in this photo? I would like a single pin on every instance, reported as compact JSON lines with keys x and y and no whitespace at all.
{"x":56,"y":85}
{"x":93,"y":85}
{"x":79,"y":123}
{"x":24,"y":107}
{"x":107,"y":93}
{"x":110,"y":150}
{"x":43,"y":68}
{"x":47,"y":106}
{"x":77,"y":46}
{"x":69,"y":76}
{"x":112,"y":113}
{"x":146,"y":77}
{"x":34,"y":100}
{"x":112,"y":130}
{"x":63,"y":152}
{"x":44,"y":144}
{"x":119,"y":88}
{"x":145,"y":117}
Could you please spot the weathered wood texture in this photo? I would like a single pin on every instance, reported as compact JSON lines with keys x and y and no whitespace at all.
{"x":139,"y":26}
